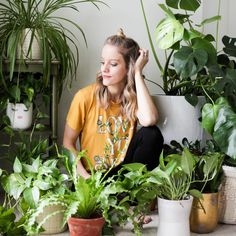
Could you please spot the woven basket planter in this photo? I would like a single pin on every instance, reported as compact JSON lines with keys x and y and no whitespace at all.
{"x":227,"y":199}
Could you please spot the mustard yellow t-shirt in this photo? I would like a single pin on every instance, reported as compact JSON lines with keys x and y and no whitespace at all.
{"x":105,"y":134}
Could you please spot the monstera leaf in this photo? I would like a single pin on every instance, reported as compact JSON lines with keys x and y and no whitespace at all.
{"x":188,"y":61}
{"x":189,"y":5}
{"x":219,"y":120}
{"x":169,"y":30}
{"x":230,"y":45}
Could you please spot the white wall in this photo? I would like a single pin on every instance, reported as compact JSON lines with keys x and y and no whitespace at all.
{"x":126,"y":14}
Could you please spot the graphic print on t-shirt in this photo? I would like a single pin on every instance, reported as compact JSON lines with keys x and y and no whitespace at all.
{"x":116,"y":131}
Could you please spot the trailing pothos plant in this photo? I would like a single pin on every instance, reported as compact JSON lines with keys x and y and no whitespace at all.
{"x":190,"y":54}
{"x":209,"y":159}
{"x":9,"y":226}
{"x":176,"y":178}
{"x":99,"y":195}
{"x":32,"y":179}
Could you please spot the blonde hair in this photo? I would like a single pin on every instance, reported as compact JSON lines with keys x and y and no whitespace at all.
{"x":129,"y":49}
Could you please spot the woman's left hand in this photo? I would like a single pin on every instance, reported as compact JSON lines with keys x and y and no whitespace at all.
{"x":141,"y":61}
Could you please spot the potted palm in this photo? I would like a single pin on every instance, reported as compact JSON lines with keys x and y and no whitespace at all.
{"x":189,"y":56}
{"x":36,"y":23}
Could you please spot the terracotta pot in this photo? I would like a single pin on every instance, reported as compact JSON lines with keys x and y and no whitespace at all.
{"x":204,"y":215}
{"x":85,"y":227}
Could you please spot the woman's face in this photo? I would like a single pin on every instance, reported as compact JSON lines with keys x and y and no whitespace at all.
{"x":113,"y":67}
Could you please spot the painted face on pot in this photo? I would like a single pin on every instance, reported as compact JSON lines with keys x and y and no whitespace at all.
{"x":113,"y":67}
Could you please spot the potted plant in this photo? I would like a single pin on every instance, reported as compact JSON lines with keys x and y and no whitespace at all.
{"x":8,"y":224}
{"x":20,"y":95}
{"x":204,"y":213}
{"x":33,"y":176}
{"x":219,"y":119}
{"x":35,"y":22}
{"x":189,"y":56}
{"x":98,"y":199}
{"x":175,"y":179}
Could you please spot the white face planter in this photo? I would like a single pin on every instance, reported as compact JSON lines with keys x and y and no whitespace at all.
{"x":19,"y":115}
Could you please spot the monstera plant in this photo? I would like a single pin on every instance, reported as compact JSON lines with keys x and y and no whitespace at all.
{"x":189,"y":53}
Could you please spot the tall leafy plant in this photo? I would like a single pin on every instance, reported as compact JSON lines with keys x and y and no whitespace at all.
{"x":189,"y":52}
{"x":53,"y":32}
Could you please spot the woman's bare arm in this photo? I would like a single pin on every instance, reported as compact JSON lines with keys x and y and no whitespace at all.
{"x":69,"y":142}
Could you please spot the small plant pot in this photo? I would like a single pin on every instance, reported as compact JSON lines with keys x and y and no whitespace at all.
{"x":19,"y":115}
{"x":204,"y":214}
{"x":85,"y":227}
{"x":174,"y":217}
{"x":54,"y":223}
{"x":227,"y":198}
{"x":28,"y":49}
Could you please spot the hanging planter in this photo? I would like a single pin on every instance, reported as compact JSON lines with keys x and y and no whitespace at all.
{"x":20,"y":116}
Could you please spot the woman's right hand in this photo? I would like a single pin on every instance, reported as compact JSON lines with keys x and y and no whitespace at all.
{"x":141,"y":61}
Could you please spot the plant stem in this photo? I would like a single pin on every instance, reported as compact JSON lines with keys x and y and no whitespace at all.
{"x":154,"y":83}
{"x":150,"y":38}
{"x":218,"y":24}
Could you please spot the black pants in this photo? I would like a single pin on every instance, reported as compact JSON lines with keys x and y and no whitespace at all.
{"x":145,"y":147}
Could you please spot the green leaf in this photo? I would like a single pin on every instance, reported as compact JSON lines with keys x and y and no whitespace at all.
{"x":192,"y":99}
{"x":225,"y":131}
{"x":188,"y":61}
{"x":168,"y":32}
{"x":187,"y":162}
{"x":188,"y":5}
{"x":36,"y":164}
{"x":195,"y":193}
{"x":31,"y":196}
{"x":204,"y":44}
{"x":17,"y":167}
{"x":15,"y":93}
{"x":230,"y":45}
{"x":210,"y":20}
{"x":42,"y":185}
{"x":208,"y":117}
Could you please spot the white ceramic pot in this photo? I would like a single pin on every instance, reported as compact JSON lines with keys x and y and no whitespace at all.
{"x":178,"y":118}
{"x":19,"y":115}
{"x":174,"y":217}
{"x":23,"y":52}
